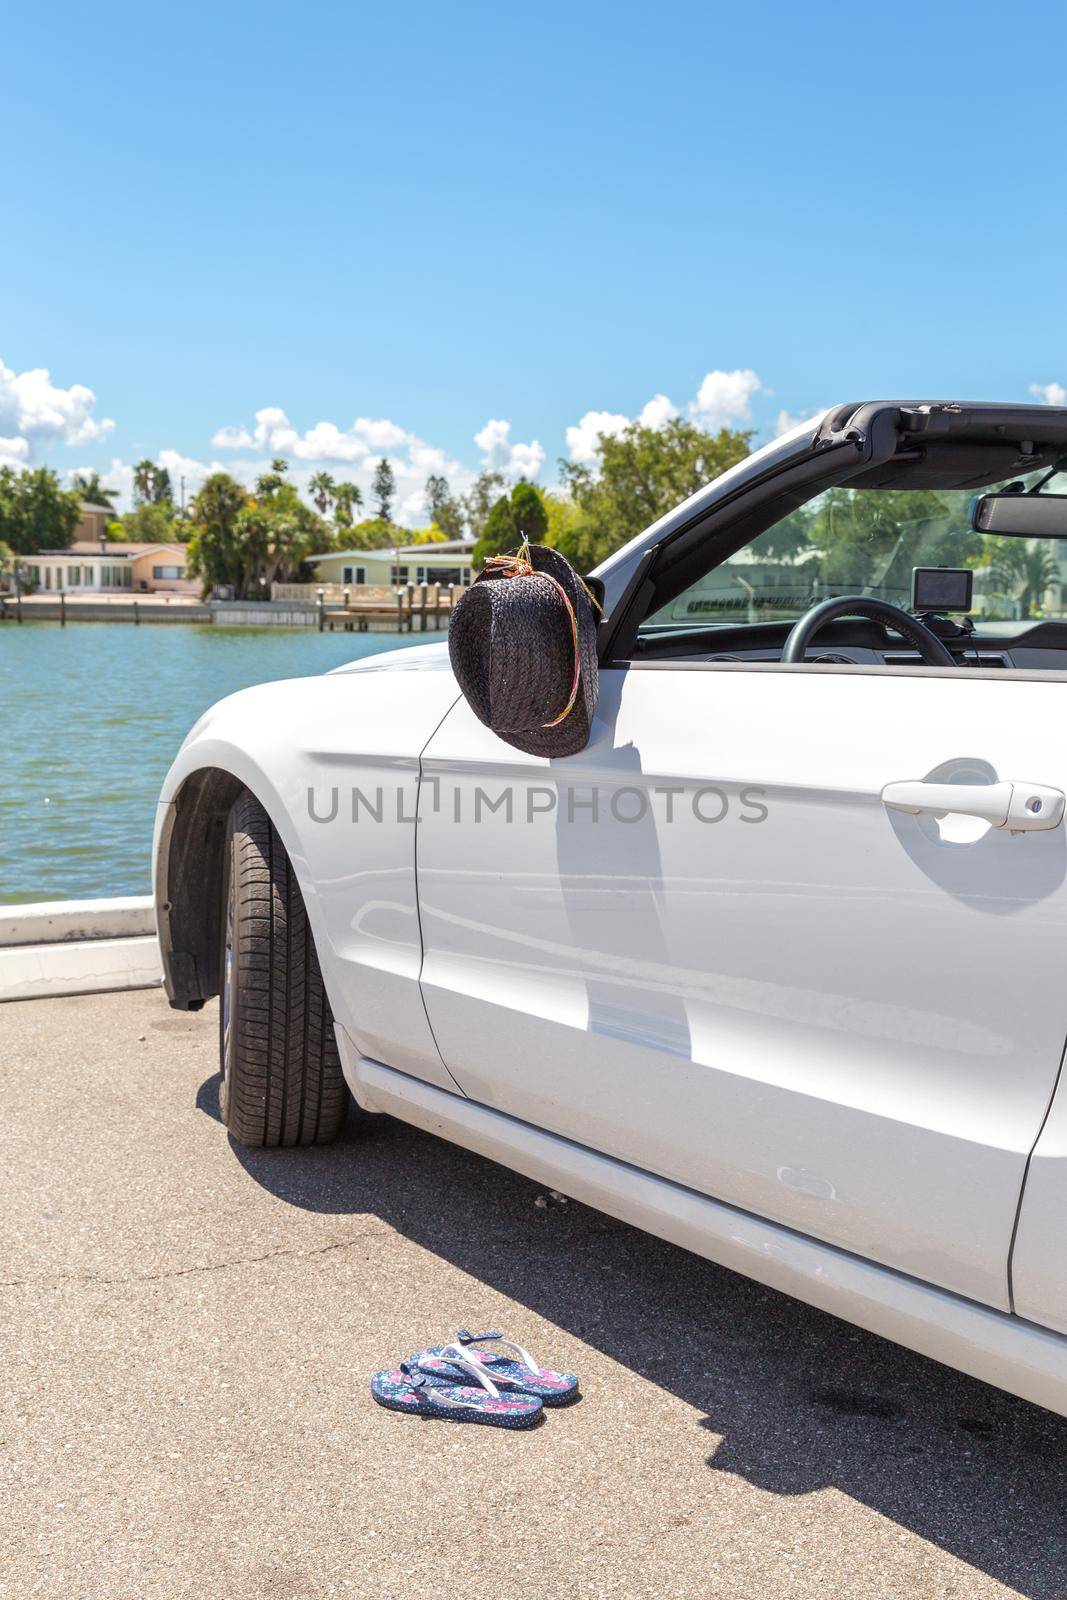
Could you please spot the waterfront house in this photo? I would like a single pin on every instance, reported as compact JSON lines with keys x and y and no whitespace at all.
{"x":444,"y":563}
{"x":92,"y":566}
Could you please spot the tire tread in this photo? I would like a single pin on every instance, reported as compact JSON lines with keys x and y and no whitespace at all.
{"x":285,"y":1082}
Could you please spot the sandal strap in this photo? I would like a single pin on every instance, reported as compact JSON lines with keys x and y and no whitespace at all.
{"x":426,"y":1390}
{"x":457,"y":1356}
{"x":463,"y":1337}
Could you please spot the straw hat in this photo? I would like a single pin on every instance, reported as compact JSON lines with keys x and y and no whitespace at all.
{"x":522,"y":642}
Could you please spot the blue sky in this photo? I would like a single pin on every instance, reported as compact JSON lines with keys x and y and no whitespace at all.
{"x":433,"y":218}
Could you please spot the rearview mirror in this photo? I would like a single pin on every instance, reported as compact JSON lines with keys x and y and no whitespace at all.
{"x":1024,"y":516}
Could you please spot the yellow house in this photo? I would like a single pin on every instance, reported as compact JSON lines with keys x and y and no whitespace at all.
{"x":96,"y":567}
{"x":448,"y":562}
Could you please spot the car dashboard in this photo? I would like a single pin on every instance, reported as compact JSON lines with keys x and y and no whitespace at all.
{"x":1039,"y":646}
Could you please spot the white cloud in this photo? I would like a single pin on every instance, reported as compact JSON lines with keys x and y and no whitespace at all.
{"x":33,"y":409}
{"x":583,"y":437}
{"x":14,"y":452}
{"x":499,"y":454}
{"x":657,"y":412}
{"x":725,"y":397}
{"x":427,"y":458}
{"x":232,"y":439}
{"x":353,"y":453}
{"x":1050,"y":394}
{"x":381,"y":434}
{"x":324,"y":442}
{"x":38,"y":409}
{"x":274,"y":430}
{"x":327,"y":442}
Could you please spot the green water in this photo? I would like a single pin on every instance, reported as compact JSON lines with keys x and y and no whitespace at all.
{"x":93,"y":714}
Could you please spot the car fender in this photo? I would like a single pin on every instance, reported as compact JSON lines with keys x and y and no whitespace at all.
{"x":334,"y":761}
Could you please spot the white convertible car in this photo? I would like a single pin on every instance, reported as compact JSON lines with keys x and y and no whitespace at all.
{"x":776,"y":966}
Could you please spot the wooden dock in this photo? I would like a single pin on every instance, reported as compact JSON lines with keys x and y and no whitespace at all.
{"x":415,"y":608}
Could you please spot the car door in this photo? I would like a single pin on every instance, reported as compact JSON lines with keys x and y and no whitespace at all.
{"x":705,"y":946}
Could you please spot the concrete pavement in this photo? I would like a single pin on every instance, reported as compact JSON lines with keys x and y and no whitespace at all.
{"x":187,"y":1328}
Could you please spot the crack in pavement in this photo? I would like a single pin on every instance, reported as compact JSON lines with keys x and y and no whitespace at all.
{"x":206,"y":1266}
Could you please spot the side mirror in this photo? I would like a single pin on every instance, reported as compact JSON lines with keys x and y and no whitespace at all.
{"x":1022,"y":516}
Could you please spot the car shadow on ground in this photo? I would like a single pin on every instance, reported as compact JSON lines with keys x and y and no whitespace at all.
{"x":798,"y":1400}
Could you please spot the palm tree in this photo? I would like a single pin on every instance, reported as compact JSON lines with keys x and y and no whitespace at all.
{"x":1025,"y":569}
{"x":92,"y":491}
{"x":144,"y":479}
{"x":323,"y":490}
{"x":346,"y":497}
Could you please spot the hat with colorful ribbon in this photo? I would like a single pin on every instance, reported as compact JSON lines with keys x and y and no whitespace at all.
{"x":522,"y":643}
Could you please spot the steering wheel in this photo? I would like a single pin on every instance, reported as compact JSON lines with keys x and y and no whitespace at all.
{"x":929,"y":646}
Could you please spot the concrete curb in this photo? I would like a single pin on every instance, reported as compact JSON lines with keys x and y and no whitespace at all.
{"x":50,"y":921}
{"x":60,"y":947}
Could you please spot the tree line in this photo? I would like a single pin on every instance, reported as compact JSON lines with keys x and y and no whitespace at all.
{"x":246,"y":538}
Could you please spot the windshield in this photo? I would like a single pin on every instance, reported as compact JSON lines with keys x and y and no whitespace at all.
{"x":866,"y":541}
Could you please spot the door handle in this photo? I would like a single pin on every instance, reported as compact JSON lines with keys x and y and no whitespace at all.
{"x":1018,"y":807}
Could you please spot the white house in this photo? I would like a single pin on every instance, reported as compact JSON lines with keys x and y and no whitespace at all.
{"x":96,"y":567}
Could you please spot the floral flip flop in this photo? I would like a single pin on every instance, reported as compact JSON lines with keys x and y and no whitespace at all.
{"x":404,"y":1389}
{"x":444,"y":1364}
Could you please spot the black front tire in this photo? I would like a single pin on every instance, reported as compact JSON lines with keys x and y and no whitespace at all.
{"x":281,"y":1074}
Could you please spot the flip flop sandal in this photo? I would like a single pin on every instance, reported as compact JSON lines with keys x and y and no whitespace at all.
{"x":404,"y":1389}
{"x":443,"y":1363}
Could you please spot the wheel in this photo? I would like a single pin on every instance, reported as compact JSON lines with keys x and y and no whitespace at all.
{"x":281,"y":1074}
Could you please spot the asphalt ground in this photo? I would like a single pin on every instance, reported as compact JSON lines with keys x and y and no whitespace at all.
{"x":187,"y":1329}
